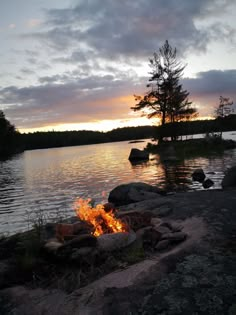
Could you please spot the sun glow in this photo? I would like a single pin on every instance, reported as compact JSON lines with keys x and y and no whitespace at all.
{"x":102,"y":125}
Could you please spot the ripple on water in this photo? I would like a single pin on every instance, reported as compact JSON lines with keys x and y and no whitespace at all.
{"x":51,"y":179}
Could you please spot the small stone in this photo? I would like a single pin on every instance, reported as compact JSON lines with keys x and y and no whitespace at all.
{"x":136,"y":220}
{"x":149,"y":235}
{"x":198,"y":175}
{"x":167,"y":224}
{"x":162,"y":229}
{"x":155,"y":221}
{"x":174,"y":237}
{"x":207,"y":183}
{"x":177,"y":228}
{"x":162,"y":245}
{"x":53,"y":245}
{"x":140,"y":232}
{"x":172,"y":227}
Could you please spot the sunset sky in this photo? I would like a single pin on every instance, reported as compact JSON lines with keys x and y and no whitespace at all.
{"x":76,"y":64}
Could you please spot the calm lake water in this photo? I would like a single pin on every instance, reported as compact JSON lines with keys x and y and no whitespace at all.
{"x":49,"y":180}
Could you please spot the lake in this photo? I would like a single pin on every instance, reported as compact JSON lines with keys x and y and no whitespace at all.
{"x":48,"y":181}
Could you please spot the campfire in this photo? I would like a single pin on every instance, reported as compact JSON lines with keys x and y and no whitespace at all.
{"x":103,"y":222}
{"x":98,"y":229}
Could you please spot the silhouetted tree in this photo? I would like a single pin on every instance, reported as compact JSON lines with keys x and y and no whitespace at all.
{"x":223,"y":109}
{"x":8,"y":136}
{"x":165,"y":98}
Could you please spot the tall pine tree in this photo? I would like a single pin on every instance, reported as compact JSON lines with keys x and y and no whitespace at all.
{"x":166,"y":98}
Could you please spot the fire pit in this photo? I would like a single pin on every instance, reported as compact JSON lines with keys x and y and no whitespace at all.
{"x":98,"y":229}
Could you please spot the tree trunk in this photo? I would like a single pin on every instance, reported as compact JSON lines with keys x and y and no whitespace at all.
{"x":163,"y":121}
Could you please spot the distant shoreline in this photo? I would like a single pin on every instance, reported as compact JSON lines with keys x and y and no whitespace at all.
{"x":51,"y":139}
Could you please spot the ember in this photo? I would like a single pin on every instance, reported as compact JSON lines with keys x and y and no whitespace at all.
{"x":103,"y":222}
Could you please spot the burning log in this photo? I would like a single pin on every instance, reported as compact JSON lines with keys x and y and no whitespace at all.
{"x":102,"y":221}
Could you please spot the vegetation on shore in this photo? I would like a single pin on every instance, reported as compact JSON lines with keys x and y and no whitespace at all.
{"x":9,"y":137}
{"x":210,"y":145}
{"x":12,"y":141}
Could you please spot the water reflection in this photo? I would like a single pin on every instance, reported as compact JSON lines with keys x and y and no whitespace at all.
{"x":51,"y":179}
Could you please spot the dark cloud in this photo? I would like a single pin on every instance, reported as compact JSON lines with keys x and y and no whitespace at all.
{"x":86,"y":100}
{"x":208,"y":86}
{"x":27,"y":71}
{"x":134,"y":28}
{"x":212,"y":82}
{"x":32,"y":60}
{"x":31,"y":53}
{"x":101,"y":97}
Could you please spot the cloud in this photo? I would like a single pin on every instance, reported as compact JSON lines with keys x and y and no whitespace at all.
{"x":119,"y":29}
{"x":87,"y":100}
{"x":208,"y":86}
{"x":27,"y":71}
{"x":62,"y":100}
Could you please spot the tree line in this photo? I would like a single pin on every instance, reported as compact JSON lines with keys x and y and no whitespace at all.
{"x":9,"y":137}
{"x":12,"y":141}
{"x":40,"y":140}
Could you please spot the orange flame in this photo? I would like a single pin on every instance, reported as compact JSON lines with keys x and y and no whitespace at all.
{"x":103,"y":222}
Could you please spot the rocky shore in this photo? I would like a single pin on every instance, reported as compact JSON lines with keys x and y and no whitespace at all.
{"x":192,"y":274}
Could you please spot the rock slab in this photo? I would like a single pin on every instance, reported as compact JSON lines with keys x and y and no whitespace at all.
{"x":137,"y":155}
{"x":133,"y":192}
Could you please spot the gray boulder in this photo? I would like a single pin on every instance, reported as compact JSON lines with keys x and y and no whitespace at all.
{"x":133,"y":192}
{"x":198,"y":175}
{"x":230,"y":178}
{"x":115,"y":241}
{"x":137,"y":155}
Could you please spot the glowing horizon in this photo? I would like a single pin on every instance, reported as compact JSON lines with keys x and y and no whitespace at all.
{"x":102,"y":126}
